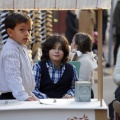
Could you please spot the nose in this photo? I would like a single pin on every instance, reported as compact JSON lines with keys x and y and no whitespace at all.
{"x":56,"y":50}
{"x":27,"y":32}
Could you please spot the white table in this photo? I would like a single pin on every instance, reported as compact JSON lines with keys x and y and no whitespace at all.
{"x":63,"y":109}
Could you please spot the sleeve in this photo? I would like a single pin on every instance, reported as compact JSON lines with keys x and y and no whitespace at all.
{"x":116,"y":73}
{"x":12,"y":72}
{"x":37,"y":77}
{"x":75,"y":78}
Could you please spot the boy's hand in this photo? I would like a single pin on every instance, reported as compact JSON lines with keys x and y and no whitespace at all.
{"x":67,"y":96}
{"x":31,"y":98}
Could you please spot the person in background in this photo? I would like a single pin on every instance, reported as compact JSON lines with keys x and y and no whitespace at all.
{"x":82,"y":47}
{"x":87,"y":22}
{"x":54,"y":77}
{"x":95,"y":42}
{"x":104,"y":25}
{"x":95,"y":46}
{"x":16,"y":78}
{"x":116,"y":21}
{"x":116,"y":79}
{"x":71,"y":25}
{"x":116,"y":106}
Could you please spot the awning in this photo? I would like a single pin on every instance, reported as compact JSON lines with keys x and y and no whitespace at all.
{"x":55,"y":4}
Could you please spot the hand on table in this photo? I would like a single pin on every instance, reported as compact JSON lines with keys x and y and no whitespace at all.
{"x":67,"y":96}
{"x":31,"y":98}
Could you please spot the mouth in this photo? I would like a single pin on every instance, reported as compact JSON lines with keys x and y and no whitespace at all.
{"x":56,"y":55}
{"x":26,"y":39}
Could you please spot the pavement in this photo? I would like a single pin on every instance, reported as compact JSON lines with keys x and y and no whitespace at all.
{"x":109,"y":86}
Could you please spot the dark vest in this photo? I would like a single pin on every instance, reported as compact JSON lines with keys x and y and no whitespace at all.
{"x":55,"y":90}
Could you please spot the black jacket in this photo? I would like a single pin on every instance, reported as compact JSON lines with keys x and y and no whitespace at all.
{"x":55,"y":90}
{"x":116,"y":18}
{"x":71,"y":26}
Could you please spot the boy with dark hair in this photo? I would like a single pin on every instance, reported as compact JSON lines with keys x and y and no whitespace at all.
{"x":54,"y":77}
{"x":16,"y":79}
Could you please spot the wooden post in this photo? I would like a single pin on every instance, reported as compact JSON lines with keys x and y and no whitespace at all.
{"x":100,"y":68}
{"x":100,"y":114}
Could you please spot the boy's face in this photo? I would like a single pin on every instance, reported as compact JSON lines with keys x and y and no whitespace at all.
{"x":56,"y":53}
{"x":21,"y":33}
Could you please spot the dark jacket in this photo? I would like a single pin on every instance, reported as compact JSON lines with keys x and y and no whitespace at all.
{"x":116,"y":18}
{"x":55,"y":90}
{"x":71,"y":26}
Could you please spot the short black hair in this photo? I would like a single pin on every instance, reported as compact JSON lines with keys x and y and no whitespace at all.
{"x":83,"y":41}
{"x":16,"y":18}
{"x":50,"y":42}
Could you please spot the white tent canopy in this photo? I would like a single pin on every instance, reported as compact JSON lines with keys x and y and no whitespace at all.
{"x":54,"y":4}
{"x":65,"y":5}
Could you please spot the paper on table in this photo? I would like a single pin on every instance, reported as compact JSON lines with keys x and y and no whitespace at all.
{"x":51,"y":101}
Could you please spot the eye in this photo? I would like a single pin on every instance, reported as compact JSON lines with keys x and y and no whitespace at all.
{"x":60,"y":48}
{"x":53,"y":47}
{"x":22,"y":29}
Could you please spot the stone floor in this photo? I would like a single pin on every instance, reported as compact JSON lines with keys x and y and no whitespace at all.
{"x":108,"y":84}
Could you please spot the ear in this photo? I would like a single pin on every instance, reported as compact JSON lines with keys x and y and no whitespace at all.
{"x":9,"y":31}
{"x":76,"y":46}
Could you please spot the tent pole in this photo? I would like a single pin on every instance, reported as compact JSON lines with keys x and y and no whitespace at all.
{"x":100,"y":68}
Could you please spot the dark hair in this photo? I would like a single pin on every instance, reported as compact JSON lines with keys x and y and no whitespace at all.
{"x":84,"y":42}
{"x":16,"y":18}
{"x":50,"y":42}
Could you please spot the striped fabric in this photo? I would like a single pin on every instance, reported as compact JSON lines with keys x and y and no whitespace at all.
{"x":4,"y":34}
